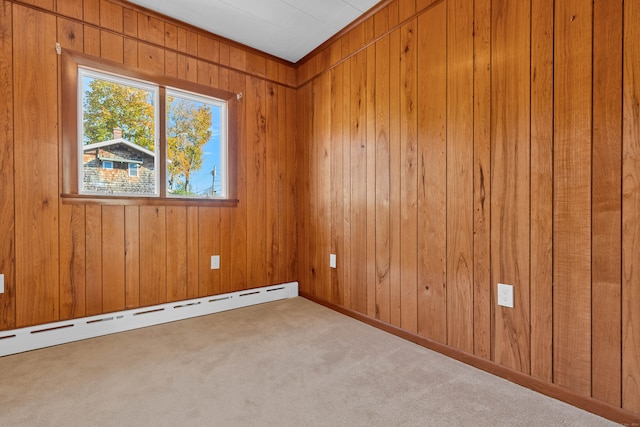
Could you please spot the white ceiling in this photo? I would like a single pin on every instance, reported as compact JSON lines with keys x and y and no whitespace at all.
{"x":288,"y":29}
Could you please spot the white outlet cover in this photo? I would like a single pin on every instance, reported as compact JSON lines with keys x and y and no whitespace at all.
{"x":332,"y":260}
{"x":215,"y":262}
{"x":1,"y":283}
{"x":505,"y":295}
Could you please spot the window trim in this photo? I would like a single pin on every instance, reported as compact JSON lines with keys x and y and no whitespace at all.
{"x":70,"y":63}
{"x":105,"y":163}
{"x":131,"y":167}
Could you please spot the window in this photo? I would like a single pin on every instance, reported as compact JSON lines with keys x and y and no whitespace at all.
{"x":128,"y":134}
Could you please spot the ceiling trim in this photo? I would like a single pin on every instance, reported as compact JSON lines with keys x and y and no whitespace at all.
{"x":368,"y":14}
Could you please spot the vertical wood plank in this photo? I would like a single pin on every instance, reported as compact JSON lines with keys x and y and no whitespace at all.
{"x":7,"y":171}
{"x":177,"y":252}
{"x":371,"y":174}
{"x":113,"y":259}
{"x":70,"y":34}
{"x":93,"y":245}
{"x":289,"y":197}
{"x":432,"y":174}
{"x":153,"y":252}
{"x":272,"y":184}
{"x":382,"y":181}
{"x":395,"y":240}
{"x":72,"y":261}
{"x":91,"y":41}
{"x":572,"y":196}
{"x":256,"y":184}
{"x":150,"y":58}
{"x":303,"y":188}
{"x":337,"y":184}
{"x":36,"y":175}
{"x":460,"y":175}
{"x":322,"y":157}
{"x":72,"y":8}
{"x":132,"y":256}
{"x":630,"y":209}
{"x":358,"y":182}
{"x":510,"y":182}
{"x":91,"y":11}
{"x":150,"y":29}
{"x":193,"y":252}
{"x":606,"y":225}
{"x":209,"y":245}
{"x":482,"y":301}
{"x":111,"y":16}
{"x":542,"y":189}
{"x":112,"y":46}
{"x":312,"y":189}
{"x":346,"y":184}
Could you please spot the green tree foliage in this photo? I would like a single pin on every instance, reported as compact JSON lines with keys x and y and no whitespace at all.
{"x":188,"y":130}
{"x":109,"y":105}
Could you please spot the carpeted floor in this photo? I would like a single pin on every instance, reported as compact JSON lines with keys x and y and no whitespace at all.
{"x":287,"y":363}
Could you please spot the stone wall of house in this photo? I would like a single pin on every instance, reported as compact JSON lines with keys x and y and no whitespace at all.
{"x":117,"y":180}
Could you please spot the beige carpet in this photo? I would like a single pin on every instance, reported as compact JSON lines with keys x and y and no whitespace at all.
{"x":287,"y":363}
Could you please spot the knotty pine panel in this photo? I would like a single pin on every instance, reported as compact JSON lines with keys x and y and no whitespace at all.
{"x":346,"y":183}
{"x":302,"y":153}
{"x":36,"y":168}
{"x":113,"y":271}
{"x":607,"y":203}
{"x":273,"y":183}
{"x":432,"y":174}
{"x":371,"y":174}
{"x":572,"y":195}
{"x":510,"y":178}
{"x":337,"y":179}
{"x":541,"y":189}
{"x":93,"y":261}
{"x":630,"y":209}
{"x":460,"y":175}
{"x":7,"y":171}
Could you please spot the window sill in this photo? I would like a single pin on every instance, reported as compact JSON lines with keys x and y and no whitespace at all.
{"x":84,"y":199}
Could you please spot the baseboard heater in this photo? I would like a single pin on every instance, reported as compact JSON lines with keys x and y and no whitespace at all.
{"x":46,"y":335}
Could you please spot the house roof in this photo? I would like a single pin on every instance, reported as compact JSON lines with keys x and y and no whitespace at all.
{"x":118,"y":141}
{"x":118,"y":159}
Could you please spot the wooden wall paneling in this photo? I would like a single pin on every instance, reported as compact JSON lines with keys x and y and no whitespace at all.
{"x":273,"y":184}
{"x":208,"y":48}
{"x":132,"y":256}
{"x":355,"y":41}
{"x":177,"y":253}
{"x":406,"y":9}
{"x":171,"y":64}
{"x":130,"y":22}
{"x":289,"y":197}
{"x":302,"y":97}
{"x":381,"y":22}
{"x":238,"y":59}
{"x":482,"y":292}
{"x":606,"y":275}
{"x":572,"y":195}
{"x":91,"y":40}
{"x":255,"y":100}
{"x":193,"y":252}
{"x":150,"y":29}
{"x":130,"y":52}
{"x":460,"y":175}
{"x":70,"y":34}
{"x":432,"y":173}
{"x":93,"y":248}
{"x":630,"y":209}
{"x":337,"y":184}
{"x":71,"y":8}
{"x":170,"y":36}
{"x":150,"y":58}
{"x":91,"y":11}
{"x":238,"y":261}
{"x":113,"y":258}
{"x":359,"y":182}
{"x":345,"y":260}
{"x":7,"y":171}
{"x":111,"y":16}
{"x":225,"y":230}
{"x":382,"y":181}
{"x":209,"y":245}
{"x":395,"y":239}
{"x":409,"y":178}
{"x":36,"y":175}
{"x":72,"y":261}
{"x":371,"y":174}
{"x":112,"y":46}
{"x":256,"y":65}
{"x":393,"y":13}
{"x":541,"y":262}
{"x":153,"y":252}
{"x":423,"y":4}
{"x":312,"y":190}
{"x":323,"y":159}
{"x":225,"y":51}
{"x":510,"y":178}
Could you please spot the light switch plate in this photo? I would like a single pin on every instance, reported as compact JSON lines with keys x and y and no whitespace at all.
{"x":505,"y":295}
{"x":215,"y":262}
{"x":332,"y":260}
{"x":1,"y":283}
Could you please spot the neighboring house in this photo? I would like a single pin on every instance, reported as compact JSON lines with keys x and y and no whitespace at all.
{"x":118,"y":166}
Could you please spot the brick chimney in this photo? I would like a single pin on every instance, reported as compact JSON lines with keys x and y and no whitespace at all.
{"x":117,"y":133}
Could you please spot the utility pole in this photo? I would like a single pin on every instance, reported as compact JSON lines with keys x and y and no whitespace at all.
{"x":214,"y":172}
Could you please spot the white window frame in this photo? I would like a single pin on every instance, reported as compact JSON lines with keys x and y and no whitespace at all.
{"x":133,"y":167}
{"x":107,"y":164}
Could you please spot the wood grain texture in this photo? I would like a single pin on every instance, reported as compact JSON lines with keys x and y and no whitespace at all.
{"x":193,"y":252}
{"x":460,"y":175}
{"x":510,"y":178}
{"x":432,"y":174}
{"x":630,"y":209}
{"x":542,"y":189}
{"x":208,"y":245}
{"x":7,"y":171}
{"x":72,"y":261}
{"x":371,"y":172}
{"x":482,"y":290}
{"x":153,"y":247}
{"x":93,"y":245}
{"x":113,"y":259}
{"x":408,"y":178}
{"x":132,"y":256}
{"x":337,"y":179}
{"x":177,"y":253}
{"x":272,"y":184}
{"x":111,"y":16}
{"x":572,"y":196}
{"x":36,"y":175}
{"x":606,"y":179}
{"x":72,"y":8}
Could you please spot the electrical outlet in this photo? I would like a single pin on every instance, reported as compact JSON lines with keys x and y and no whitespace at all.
{"x":332,"y":260}
{"x":215,"y":262}
{"x":505,"y":295}
{"x":1,"y":283}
